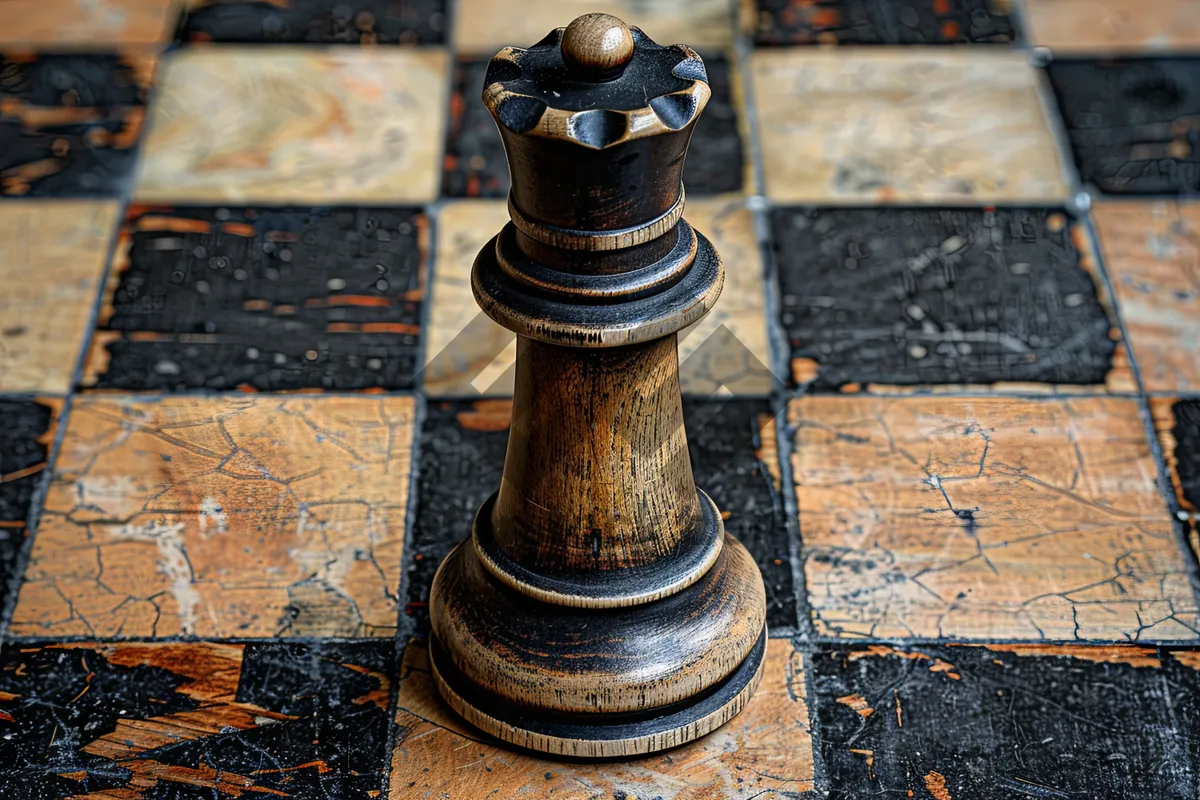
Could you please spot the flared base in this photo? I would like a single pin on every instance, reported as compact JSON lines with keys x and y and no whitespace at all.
{"x":598,"y":735}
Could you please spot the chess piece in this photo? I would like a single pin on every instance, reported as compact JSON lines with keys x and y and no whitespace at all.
{"x":598,"y":608}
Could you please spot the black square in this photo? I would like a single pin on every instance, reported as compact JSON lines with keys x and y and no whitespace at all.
{"x":269,"y":299}
{"x":369,"y":22}
{"x":26,"y":431}
{"x":938,"y":296}
{"x":1014,"y":721}
{"x":1134,"y":125}
{"x":858,"y":22}
{"x":195,"y":719}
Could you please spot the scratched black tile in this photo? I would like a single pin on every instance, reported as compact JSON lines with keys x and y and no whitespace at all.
{"x":1186,"y":433}
{"x":474,"y":165}
{"x":317,"y":22}
{"x":949,"y":722}
{"x":939,"y":296}
{"x":74,"y":80}
{"x":93,"y":157}
{"x":295,"y":299}
{"x":1134,"y":125}
{"x":194,"y":720}
{"x":26,"y":428}
{"x":790,"y":22}
{"x":462,"y":456}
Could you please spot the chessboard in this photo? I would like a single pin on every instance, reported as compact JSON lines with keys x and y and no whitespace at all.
{"x":949,"y":399}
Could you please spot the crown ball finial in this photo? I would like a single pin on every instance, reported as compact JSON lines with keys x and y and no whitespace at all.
{"x":596,"y":45}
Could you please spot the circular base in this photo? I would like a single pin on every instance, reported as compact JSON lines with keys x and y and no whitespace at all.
{"x":598,"y":735}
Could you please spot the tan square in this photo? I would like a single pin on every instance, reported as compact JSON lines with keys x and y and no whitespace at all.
{"x":291,"y":124}
{"x":52,"y":256}
{"x":1114,"y":26}
{"x":952,"y":125}
{"x":223,"y":516}
{"x":764,"y":752}
{"x":1152,"y":251}
{"x":469,"y":354}
{"x":481,"y":27}
{"x":985,"y":518}
{"x":66,"y":24}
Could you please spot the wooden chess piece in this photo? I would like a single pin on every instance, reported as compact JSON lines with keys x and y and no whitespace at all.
{"x":598,"y":608}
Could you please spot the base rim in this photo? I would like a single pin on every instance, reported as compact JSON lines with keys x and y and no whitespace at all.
{"x":598,"y":735}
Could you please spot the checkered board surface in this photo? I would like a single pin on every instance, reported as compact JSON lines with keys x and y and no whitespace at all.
{"x":950,"y":398}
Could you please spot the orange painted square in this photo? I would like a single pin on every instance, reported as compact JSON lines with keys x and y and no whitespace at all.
{"x":985,"y":518}
{"x":223,"y":516}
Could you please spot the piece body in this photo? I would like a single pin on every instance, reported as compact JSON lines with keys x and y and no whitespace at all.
{"x":598,"y":608}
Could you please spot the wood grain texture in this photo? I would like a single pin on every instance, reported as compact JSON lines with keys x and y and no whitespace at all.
{"x":561,"y":660}
{"x":986,"y":518}
{"x":68,"y":24}
{"x":52,"y":258}
{"x":316,"y":125}
{"x":597,"y":475}
{"x":482,"y":27}
{"x":905,"y":124}
{"x":1126,"y":27}
{"x":223,"y":516}
{"x":468,"y":354}
{"x":764,"y":752}
{"x":1152,"y":252}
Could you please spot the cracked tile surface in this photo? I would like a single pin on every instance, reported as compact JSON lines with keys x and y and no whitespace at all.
{"x":985,"y":518}
{"x":223,"y":516}
{"x":151,"y":721}
{"x":764,"y":752}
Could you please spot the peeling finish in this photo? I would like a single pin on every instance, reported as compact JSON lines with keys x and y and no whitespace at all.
{"x":137,"y":721}
{"x":935,"y":784}
{"x":1111,"y":654}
